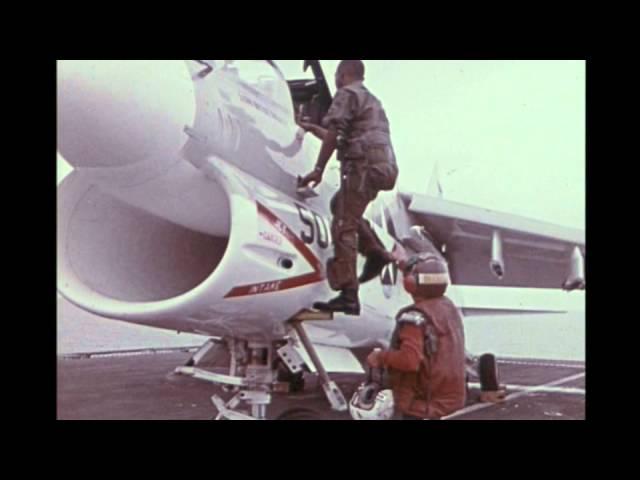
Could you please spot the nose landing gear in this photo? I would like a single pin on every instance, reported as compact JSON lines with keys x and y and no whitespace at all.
{"x":256,"y":371}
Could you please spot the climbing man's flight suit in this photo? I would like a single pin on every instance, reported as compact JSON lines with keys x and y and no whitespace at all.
{"x":367,"y":166}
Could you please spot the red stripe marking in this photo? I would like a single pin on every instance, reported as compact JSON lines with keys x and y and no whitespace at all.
{"x":285,"y":283}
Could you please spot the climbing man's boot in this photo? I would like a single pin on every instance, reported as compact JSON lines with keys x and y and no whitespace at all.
{"x":347,"y":302}
{"x":374,"y":265}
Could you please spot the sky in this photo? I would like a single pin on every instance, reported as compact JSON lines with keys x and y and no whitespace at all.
{"x":507,"y":135}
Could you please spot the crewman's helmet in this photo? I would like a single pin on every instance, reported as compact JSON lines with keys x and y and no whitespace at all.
{"x":371,"y":403}
{"x":426,"y":275}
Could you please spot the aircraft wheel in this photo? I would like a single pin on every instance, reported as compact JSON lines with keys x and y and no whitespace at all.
{"x":299,"y":414}
{"x":296,"y":381}
{"x":488,"y":373}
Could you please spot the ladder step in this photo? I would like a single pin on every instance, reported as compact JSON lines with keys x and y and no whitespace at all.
{"x":312,"y":315}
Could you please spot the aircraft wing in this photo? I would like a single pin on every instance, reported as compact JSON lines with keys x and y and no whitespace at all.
{"x":489,"y":248}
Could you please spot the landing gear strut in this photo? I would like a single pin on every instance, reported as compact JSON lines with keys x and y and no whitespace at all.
{"x":256,"y":371}
{"x":252,"y":377}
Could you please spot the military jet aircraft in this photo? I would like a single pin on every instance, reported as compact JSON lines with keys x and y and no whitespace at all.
{"x":183,"y":212}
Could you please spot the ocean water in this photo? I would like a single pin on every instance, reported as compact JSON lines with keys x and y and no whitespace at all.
{"x":543,"y":336}
{"x":82,"y":332}
{"x":558,"y":336}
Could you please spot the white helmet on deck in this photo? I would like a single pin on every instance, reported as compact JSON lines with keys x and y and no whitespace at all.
{"x":371,"y":403}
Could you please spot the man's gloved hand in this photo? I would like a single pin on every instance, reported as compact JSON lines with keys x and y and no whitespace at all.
{"x":305,"y":125}
{"x":375,"y":359}
{"x":304,"y":122}
{"x":315,"y":177}
{"x":402,"y":264}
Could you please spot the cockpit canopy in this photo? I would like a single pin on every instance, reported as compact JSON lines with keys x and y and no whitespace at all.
{"x":262,"y":75}
{"x":304,"y":91}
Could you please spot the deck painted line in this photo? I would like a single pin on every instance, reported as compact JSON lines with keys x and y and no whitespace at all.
{"x":568,"y":390}
{"x":513,"y":396}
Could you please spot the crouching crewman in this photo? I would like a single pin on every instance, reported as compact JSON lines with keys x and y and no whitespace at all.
{"x":426,"y":359}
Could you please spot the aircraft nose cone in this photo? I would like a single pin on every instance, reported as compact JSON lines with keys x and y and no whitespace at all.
{"x":115,"y":113}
